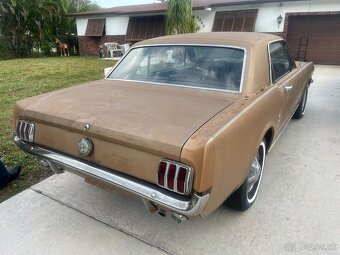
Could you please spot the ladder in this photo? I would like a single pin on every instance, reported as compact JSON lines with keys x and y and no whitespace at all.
{"x":303,"y":46}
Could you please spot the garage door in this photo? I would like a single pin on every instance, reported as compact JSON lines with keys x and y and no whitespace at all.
{"x":315,"y":38}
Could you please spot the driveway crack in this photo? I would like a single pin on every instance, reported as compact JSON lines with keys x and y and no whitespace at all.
{"x":102,"y":222}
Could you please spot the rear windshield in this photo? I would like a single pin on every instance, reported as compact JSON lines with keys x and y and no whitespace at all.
{"x":193,"y":66}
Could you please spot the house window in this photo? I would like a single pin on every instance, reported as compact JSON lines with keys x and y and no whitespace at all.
{"x":95,"y":27}
{"x":235,"y":21}
{"x":145,"y":27}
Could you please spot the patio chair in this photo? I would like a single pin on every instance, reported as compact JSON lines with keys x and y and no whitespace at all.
{"x":114,"y":49}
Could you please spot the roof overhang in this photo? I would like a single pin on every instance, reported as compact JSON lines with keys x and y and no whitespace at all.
{"x":160,"y":8}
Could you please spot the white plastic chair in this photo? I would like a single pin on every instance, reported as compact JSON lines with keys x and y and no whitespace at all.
{"x":125,"y":47}
{"x":113,"y":48}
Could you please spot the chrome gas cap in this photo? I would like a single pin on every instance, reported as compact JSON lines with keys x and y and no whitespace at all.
{"x":85,"y":147}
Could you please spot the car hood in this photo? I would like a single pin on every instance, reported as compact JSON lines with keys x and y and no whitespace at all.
{"x":140,"y":115}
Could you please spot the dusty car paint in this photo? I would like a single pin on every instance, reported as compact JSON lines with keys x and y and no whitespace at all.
{"x":134,"y":125}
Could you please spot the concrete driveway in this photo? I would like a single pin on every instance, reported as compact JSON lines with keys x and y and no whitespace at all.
{"x":297,"y":210}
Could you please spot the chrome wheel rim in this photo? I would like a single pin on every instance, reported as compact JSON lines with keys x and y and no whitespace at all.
{"x":255,"y":173}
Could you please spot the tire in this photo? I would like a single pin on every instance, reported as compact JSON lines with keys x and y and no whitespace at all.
{"x":245,"y":196}
{"x":300,"y":111}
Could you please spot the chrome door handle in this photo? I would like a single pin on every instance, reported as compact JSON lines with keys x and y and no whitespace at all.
{"x":288,"y":88}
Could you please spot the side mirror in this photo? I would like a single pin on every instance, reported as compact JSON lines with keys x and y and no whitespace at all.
{"x":107,"y":70}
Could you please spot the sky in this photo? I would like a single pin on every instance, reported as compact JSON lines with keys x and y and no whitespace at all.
{"x":113,"y":3}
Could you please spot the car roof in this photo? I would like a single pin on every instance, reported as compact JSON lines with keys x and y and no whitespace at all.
{"x":239,"y":39}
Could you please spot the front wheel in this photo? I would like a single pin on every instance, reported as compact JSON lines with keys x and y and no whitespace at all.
{"x":246,"y":194}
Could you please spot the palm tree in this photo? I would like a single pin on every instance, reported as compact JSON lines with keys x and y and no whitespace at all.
{"x":179,"y":18}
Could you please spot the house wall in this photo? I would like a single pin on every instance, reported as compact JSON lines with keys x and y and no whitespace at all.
{"x":116,"y":26}
{"x":81,"y":26}
{"x":267,"y":13}
{"x":89,"y":46}
{"x":205,"y":20}
{"x":115,"y":30}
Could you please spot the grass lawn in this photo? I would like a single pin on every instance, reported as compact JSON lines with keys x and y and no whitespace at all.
{"x":22,"y":78}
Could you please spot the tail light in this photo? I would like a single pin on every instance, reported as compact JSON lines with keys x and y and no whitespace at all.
{"x":25,"y":130}
{"x":175,"y":176}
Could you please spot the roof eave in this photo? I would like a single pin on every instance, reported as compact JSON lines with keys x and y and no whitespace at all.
{"x":163,"y":11}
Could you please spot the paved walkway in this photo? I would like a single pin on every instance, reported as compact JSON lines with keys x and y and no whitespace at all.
{"x":297,"y":210}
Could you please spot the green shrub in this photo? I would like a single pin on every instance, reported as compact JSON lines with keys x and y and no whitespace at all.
{"x":5,"y":49}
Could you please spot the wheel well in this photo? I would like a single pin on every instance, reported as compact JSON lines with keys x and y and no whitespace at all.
{"x":268,"y":137}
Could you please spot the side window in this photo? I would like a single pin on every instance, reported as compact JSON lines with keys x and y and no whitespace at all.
{"x":281,"y":61}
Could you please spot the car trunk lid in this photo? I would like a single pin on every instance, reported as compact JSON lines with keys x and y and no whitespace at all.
{"x":152,"y":117}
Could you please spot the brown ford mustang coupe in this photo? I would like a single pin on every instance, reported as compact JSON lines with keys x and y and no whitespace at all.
{"x":184,"y":122}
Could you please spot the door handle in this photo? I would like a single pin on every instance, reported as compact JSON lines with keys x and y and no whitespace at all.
{"x":288,"y":88}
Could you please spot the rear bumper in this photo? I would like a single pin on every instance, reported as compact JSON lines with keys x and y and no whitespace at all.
{"x":188,"y":207}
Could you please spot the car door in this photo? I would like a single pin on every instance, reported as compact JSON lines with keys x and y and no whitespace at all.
{"x":287,"y":77}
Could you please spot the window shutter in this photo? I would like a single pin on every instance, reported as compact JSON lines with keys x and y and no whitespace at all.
{"x":218,"y":22}
{"x":236,"y":21}
{"x":95,"y":27}
{"x":146,"y":27}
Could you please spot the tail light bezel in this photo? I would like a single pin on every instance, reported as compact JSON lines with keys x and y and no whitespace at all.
{"x":25,"y":130}
{"x":188,"y":178}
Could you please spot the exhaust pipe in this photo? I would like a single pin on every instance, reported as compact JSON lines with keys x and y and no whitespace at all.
{"x":151,"y":207}
{"x":43,"y":163}
{"x":46,"y":164}
{"x":179,"y":218}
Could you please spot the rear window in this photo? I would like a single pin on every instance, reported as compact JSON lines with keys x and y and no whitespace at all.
{"x":207,"y":67}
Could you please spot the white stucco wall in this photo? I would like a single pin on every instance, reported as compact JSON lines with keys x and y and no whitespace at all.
{"x":81,"y":26}
{"x":266,"y":19}
{"x":116,"y":25}
{"x":205,"y":20}
{"x":267,"y":13}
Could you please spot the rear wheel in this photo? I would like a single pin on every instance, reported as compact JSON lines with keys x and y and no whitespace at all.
{"x":246,"y":194}
{"x":300,"y":111}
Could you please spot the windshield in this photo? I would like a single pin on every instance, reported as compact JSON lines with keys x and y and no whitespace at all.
{"x":210,"y":67}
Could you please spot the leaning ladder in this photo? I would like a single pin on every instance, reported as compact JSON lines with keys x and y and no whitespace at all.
{"x":303,"y":46}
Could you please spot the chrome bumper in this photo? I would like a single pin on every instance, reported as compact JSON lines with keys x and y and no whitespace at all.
{"x":175,"y":203}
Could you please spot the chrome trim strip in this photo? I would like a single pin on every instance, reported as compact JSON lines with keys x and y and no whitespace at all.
{"x":189,"y":180}
{"x":245,"y":61}
{"x":176,"y":85}
{"x":21,"y":134}
{"x":166,"y":176}
{"x":185,"y":206}
{"x":176,"y":178}
{"x":25,"y":130}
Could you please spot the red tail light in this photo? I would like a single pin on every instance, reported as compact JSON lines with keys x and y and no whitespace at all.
{"x":181,"y":179}
{"x":161,"y":173}
{"x":175,"y":176}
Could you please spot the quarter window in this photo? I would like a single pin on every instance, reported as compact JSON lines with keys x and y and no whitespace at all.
{"x":281,"y":62}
